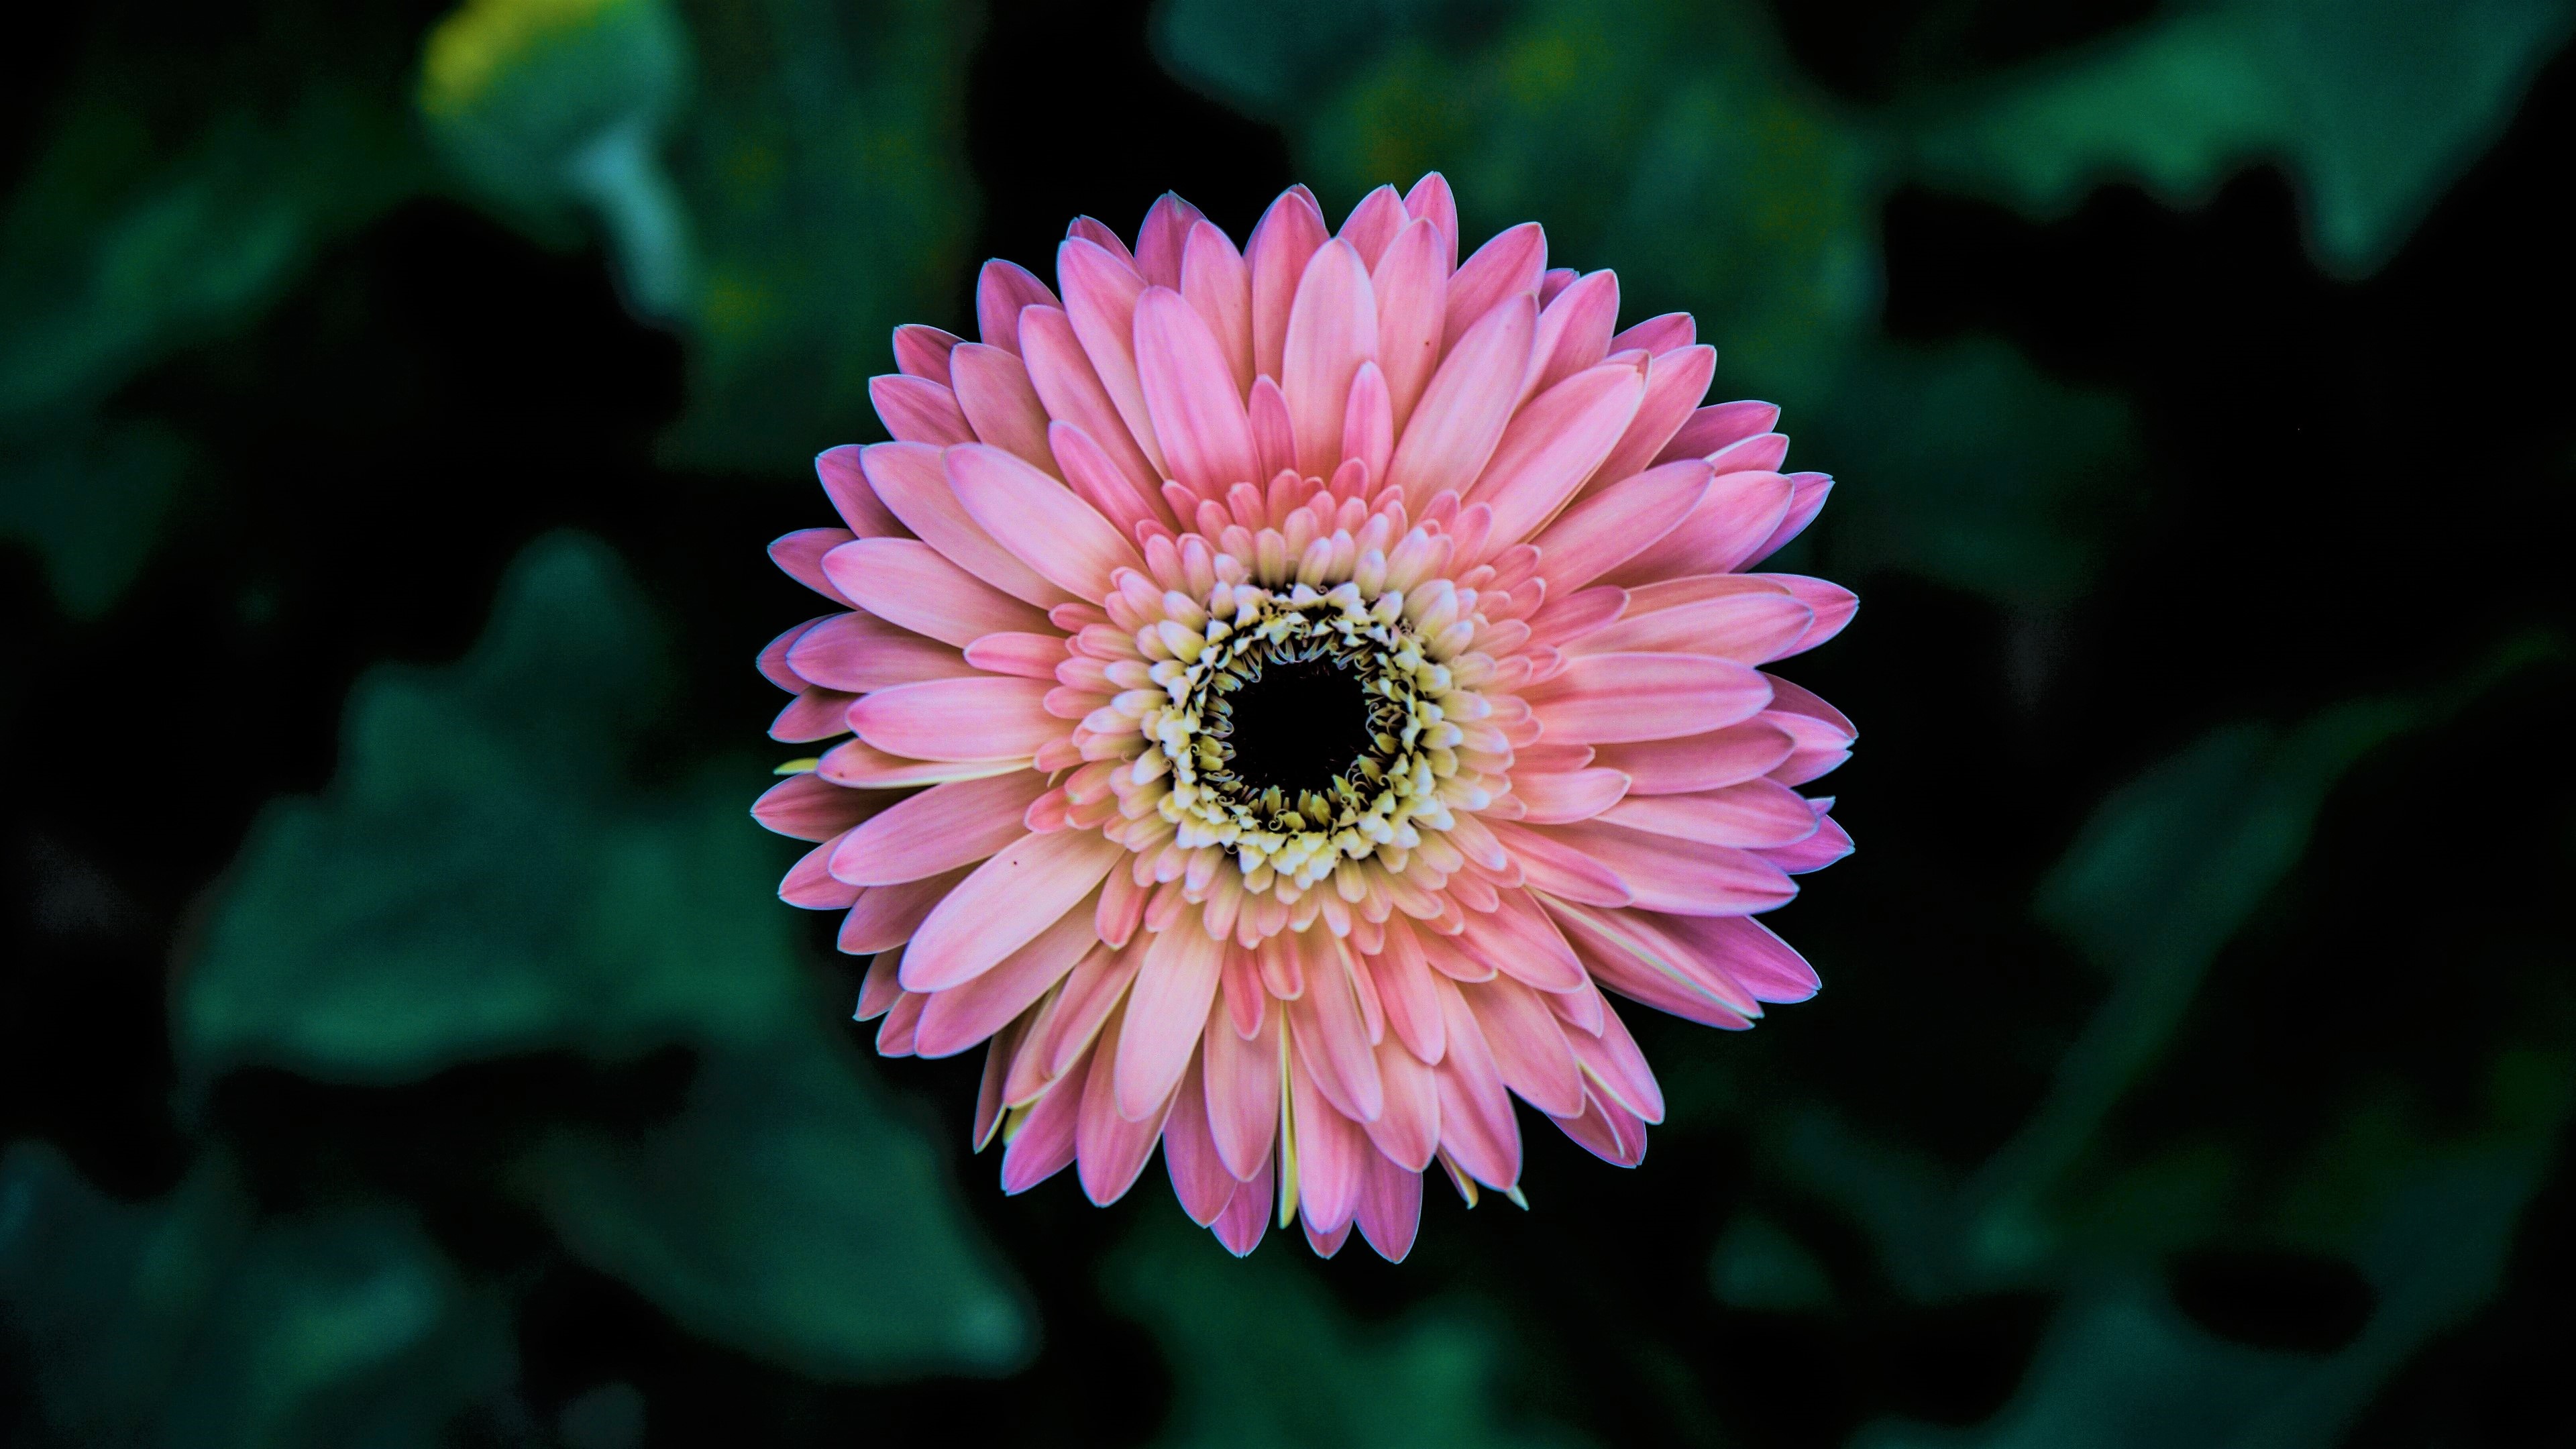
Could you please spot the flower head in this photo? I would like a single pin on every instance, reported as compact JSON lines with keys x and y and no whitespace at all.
{"x":1291,"y":691}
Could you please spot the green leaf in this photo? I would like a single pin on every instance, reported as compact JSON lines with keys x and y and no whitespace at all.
{"x":1262,"y":1356}
{"x":190,"y":1321}
{"x":2372,"y":106}
{"x":786,"y":1213}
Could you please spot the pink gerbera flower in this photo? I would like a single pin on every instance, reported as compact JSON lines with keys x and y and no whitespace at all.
{"x":1289,"y":688}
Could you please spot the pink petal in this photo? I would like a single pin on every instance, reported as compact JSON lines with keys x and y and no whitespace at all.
{"x":1832,"y":605}
{"x":1411,"y":284}
{"x":1615,"y":1066}
{"x":1373,"y":224}
{"x":1558,"y":869}
{"x":880,"y":990}
{"x":1247,"y":1217}
{"x":1719,"y":426}
{"x":1681,"y":877}
{"x":1753,"y":815}
{"x":1160,"y":240}
{"x":1039,"y":521}
{"x":1607,"y":1130}
{"x":886,"y":916}
{"x":964,"y":1015}
{"x":1368,"y":424}
{"x":1746,"y":953}
{"x":1219,"y":287}
{"x":1167,"y":1012}
{"x":1506,"y":267}
{"x":1565,"y":617}
{"x":1797,"y":699}
{"x":1072,"y":1018}
{"x":1073,"y":393}
{"x":1325,"y":1243}
{"x":1390,"y":1208}
{"x":1675,"y":382}
{"x":1000,"y":403}
{"x":815,"y":714}
{"x":987,"y":717}
{"x":938,"y":830}
{"x":809,"y":884}
{"x":1113,"y":1147}
{"x":1199,"y":1177}
{"x":1030,"y":656}
{"x":857,"y":653}
{"x":1574,"y":331}
{"x":1658,"y":335}
{"x":1761,"y":454}
{"x":1331,"y":1150}
{"x":800,"y":556}
{"x":1289,"y":234}
{"x":1325,"y":1026}
{"x":922,"y":352}
{"x":1557,"y":799}
{"x":913,"y":481}
{"x":1469,"y":401}
{"x":860,"y":764}
{"x":772,"y":663}
{"x":845,"y":482}
{"x":1274,"y":437}
{"x":1808,"y":493}
{"x":1403,"y":979}
{"x":1830,"y":843}
{"x":1615,"y":524}
{"x":1477,"y":1127}
{"x":1517,"y":939}
{"x":1332,"y":329}
{"x":1408,"y":1129}
{"x":1612,"y":698}
{"x":1553,"y":444}
{"x":1748,"y":628}
{"x":907,"y":582}
{"x":1553,"y":282}
{"x":919,"y":411}
{"x":1098,"y":481}
{"x":807,"y":808}
{"x":1189,"y":389}
{"x":1528,"y":1045}
{"x":1097,"y":233}
{"x":1740,"y":511}
{"x":1243,"y":1093}
{"x":1626,"y":956}
{"x":1700,"y":762}
{"x":1005,"y":904}
{"x":1001,"y":290}
{"x":1043,"y":1146}
{"x":1431,"y":201}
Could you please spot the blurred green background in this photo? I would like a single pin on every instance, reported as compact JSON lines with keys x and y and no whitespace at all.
{"x":401,"y":1044}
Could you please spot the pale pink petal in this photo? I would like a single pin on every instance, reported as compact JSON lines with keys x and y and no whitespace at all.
{"x":1159,"y":242}
{"x":804,"y":807}
{"x":800,"y":556}
{"x":938,"y":830}
{"x":1568,"y":617}
{"x":1274,"y":437}
{"x":1658,"y":335}
{"x":1719,"y":426}
{"x":1675,"y":382}
{"x":845,"y":481}
{"x":985,"y":717}
{"x":1553,"y":282}
{"x":862,"y":765}
{"x":1557,"y":868}
{"x":1072,"y":391}
{"x":1199,"y":1177}
{"x":1408,"y":1128}
{"x":1517,"y":939}
{"x":1807,"y":498}
{"x":1614,"y":525}
{"x":1832,"y":605}
{"x":1368,"y":424}
{"x":1373,"y":224}
{"x":1477,"y":1127}
{"x":1612,"y":698}
{"x":1430,"y":200}
{"x":1189,"y":389}
{"x":1043,"y":1145}
{"x":1326,"y":1028}
{"x":1113,"y":1148}
{"x":885,"y":917}
{"x":1390,"y":1208}
{"x":1738,"y":513}
{"x":1552,"y":445}
{"x":1506,"y":267}
{"x":1700,"y":762}
{"x":814,"y":714}
{"x":1573,"y":331}
{"x":1243,"y":1092}
{"x":1072,"y":1018}
{"x":1753,"y":815}
{"x":1005,"y":904}
{"x":913,"y":481}
{"x":964,"y":1015}
{"x":809,"y":884}
{"x":1556,"y":799}
{"x":1403,"y":979}
{"x":1247,"y":1217}
{"x":1219,"y":287}
{"x":1680,"y":877}
{"x":1747,"y":953}
{"x":1001,"y":290}
{"x":1000,"y":403}
{"x":1626,"y":954}
{"x":1761,"y":454}
{"x":860,"y":652}
{"x":1331,"y":1151}
{"x":1289,"y":234}
{"x":1528,"y":1045}
{"x":1616,"y":1067}
{"x":1167,"y":1012}
{"x":1466,"y":406}
{"x":922,"y":352}
{"x":1030,"y":656}
{"x":907,"y":582}
{"x":1098,"y":481}
{"x":1332,"y":329}
{"x":916,"y":410}
{"x":1039,"y":521}
{"x":1752,"y":627}
{"x":1411,"y":284}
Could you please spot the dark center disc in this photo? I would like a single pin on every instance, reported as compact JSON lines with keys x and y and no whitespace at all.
{"x":1299,"y":725}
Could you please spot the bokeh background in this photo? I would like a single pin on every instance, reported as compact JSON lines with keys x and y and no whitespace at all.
{"x":400,"y":1042}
